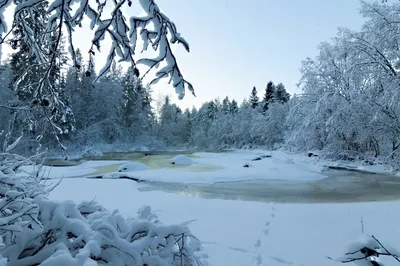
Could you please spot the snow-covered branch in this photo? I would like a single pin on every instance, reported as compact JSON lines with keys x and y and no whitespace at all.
{"x":162,"y":34}
{"x":367,"y":251}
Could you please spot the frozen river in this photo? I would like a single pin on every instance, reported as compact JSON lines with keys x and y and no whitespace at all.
{"x":339,"y":186}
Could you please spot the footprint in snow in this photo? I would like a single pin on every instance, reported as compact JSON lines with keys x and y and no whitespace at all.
{"x":269,"y":221}
{"x":258,"y":243}
{"x":258,"y":259}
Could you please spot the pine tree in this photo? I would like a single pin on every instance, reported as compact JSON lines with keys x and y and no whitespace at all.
{"x":87,"y":108}
{"x":253,"y":99}
{"x":62,"y":113}
{"x":65,"y":118}
{"x":146,"y":109}
{"x":281,"y":95}
{"x":73,"y":88}
{"x":136,"y":107}
{"x":38,"y":84}
{"x":131,"y":86}
{"x":188,"y":125}
{"x":212,"y":109}
{"x":26,"y":72}
{"x":172,"y":122}
{"x":6,"y":95}
{"x":225,"y":105}
{"x":233,"y":107}
{"x":245,"y":104}
{"x":268,"y":96}
{"x":61,"y":60}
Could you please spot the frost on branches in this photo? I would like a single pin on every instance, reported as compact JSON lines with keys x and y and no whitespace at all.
{"x":130,"y":36}
{"x":35,"y":230}
{"x":368,"y":251}
{"x":154,"y":28}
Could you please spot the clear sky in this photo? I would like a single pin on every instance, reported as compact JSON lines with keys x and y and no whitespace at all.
{"x":238,"y":44}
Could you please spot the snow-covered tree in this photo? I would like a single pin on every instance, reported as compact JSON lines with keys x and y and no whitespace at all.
{"x":6,"y":96}
{"x":268,"y":97}
{"x":280,"y":94}
{"x":25,"y":64}
{"x":172,"y":123}
{"x":254,"y":99}
{"x":233,"y":107}
{"x":41,"y":24}
{"x":353,"y":81}
{"x":136,"y":112}
{"x":225,"y":105}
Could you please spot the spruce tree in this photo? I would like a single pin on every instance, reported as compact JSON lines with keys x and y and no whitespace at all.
{"x":281,"y":95}
{"x":254,"y":99}
{"x":129,"y":101}
{"x":136,"y":107}
{"x":26,"y":70}
{"x":225,"y":105}
{"x":268,"y":96}
{"x":233,"y":107}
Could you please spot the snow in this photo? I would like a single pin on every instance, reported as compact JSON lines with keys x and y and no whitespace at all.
{"x":205,"y":168}
{"x":181,"y":160}
{"x":234,"y":232}
{"x":85,"y":168}
{"x":133,"y":166}
{"x":281,"y":166}
{"x":240,"y":233}
{"x":237,"y":233}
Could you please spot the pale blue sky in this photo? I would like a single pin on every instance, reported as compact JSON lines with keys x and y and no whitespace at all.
{"x":237,"y":44}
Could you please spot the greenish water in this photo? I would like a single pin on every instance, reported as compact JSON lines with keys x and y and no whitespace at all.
{"x":159,"y":162}
{"x":145,"y":156}
{"x":339,"y":187}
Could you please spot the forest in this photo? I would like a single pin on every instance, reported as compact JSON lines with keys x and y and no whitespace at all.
{"x":348,"y":108}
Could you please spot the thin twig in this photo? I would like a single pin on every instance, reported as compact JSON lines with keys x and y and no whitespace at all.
{"x":388,"y":252}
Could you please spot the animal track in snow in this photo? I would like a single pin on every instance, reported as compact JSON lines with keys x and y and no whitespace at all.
{"x":258,"y":259}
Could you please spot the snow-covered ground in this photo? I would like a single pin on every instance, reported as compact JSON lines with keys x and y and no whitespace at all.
{"x":238,"y":233}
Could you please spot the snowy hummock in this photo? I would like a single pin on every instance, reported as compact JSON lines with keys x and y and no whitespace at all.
{"x":181,"y":159}
{"x":132,"y":166}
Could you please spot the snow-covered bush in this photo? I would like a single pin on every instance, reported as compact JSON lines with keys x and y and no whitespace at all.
{"x":35,"y":230}
{"x":368,"y":251}
{"x":63,"y":233}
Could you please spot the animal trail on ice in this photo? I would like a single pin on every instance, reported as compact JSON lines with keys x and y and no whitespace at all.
{"x":258,"y":259}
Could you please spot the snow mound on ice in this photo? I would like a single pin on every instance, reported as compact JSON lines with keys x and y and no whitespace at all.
{"x":133,"y":166}
{"x":283,"y":160}
{"x":181,"y":160}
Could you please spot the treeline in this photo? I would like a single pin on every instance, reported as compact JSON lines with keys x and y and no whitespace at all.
{"x":226,"y":124}
{"x":118,"y":110}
